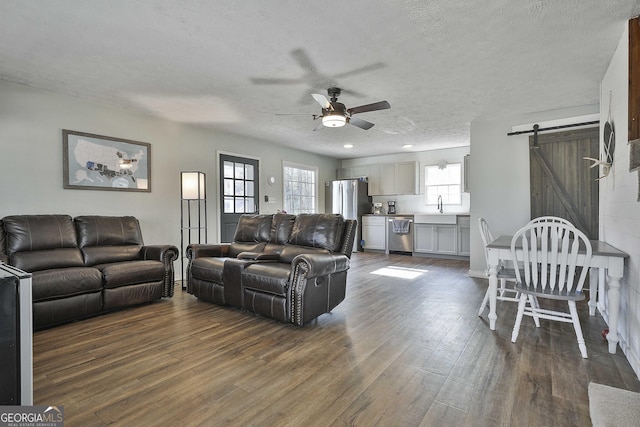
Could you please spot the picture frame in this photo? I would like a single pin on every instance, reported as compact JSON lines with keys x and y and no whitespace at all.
{"x":98,"y":162}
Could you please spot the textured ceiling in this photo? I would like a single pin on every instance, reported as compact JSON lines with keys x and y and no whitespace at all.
{"x":236,"y":66}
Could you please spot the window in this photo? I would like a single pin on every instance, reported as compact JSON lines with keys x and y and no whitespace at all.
{"x":443,"y":180}
{"x":300,"y":188}
{"x":238,"y":187}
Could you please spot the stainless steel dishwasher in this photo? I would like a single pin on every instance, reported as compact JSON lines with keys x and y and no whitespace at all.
{"x":400,"y":234}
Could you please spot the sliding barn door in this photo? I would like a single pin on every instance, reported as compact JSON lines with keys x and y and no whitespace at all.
{"x":562,"y":184}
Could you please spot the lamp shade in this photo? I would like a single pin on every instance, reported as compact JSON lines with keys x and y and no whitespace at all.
{"x":334,"y":120}
{"x":193,"y":185}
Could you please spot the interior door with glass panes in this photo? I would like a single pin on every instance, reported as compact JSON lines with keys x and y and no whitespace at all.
{"x":239,"y":192}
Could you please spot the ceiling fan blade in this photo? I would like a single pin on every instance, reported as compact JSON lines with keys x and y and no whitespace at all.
{"x":268,"y":81}
{"x":303,"y":60}
{"x":322,"y":100}
{"x":360,"y":70}
{"x":382,"y":105}
{"x":362,"y":124}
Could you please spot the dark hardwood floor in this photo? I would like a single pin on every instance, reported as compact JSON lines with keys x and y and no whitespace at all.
{"x":396,"y":352}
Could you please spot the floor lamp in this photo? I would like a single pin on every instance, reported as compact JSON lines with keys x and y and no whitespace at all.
{"x":193,"y":213}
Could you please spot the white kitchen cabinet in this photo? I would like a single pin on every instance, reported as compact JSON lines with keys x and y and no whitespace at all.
{"x":464,"y":234}
{"x":436,"y":238}
{"x":393,"y":178}
{"x":407,"y":178}
{"x":374,"y":232}
{"x":352,"y":173}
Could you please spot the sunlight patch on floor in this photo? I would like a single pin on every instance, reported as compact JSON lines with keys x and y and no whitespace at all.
{"x":400,"y":272}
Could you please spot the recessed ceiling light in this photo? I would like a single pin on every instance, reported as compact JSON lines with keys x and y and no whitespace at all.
{"x":407,"y":146}
{"x":348,"y":145}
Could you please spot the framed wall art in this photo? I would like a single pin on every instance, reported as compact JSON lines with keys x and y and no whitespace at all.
{"x":97,"y":162}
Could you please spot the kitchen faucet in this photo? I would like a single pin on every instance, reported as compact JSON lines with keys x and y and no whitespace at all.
{"x":440,"y":203}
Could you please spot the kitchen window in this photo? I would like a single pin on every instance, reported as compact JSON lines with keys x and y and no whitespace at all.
{"x":300,"y":188}
{"x":444,"y":180}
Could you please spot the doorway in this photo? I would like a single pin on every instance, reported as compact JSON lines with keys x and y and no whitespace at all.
{"x":562,"y":183}
{"x":239,"y":192}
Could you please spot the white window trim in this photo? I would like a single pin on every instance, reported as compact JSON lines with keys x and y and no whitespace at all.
{"x":426,"y":185}
{"x":301,"y":166}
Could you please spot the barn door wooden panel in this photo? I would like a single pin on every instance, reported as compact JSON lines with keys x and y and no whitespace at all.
{"x":562,"y":184}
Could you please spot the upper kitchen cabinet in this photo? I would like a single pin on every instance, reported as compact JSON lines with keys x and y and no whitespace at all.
{"x":393,"y":178}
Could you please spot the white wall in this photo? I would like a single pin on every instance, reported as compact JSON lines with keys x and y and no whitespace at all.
{"x":619,"y":208}
{"x":416,"y":203}
{"x":499,"y":176}
{"x":31,"y":123}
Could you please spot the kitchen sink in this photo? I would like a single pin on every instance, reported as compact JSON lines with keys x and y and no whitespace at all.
{"x":435,"y":219}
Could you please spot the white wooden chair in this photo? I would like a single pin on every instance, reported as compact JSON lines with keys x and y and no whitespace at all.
{"x":549,"y":252}
{"x":505,"y":293}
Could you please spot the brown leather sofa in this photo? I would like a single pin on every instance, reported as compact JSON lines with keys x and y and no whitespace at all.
{"x":85,"y":266}
{"x":291,"y":268}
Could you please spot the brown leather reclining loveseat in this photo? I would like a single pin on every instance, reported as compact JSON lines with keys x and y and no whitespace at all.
{"x":85,"y":266}
{"x":291,"y":268}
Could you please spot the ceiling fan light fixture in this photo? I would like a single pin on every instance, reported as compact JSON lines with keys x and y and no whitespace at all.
{"x":334,"y":120}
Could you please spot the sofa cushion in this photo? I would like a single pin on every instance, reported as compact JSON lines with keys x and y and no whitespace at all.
{"x":65,"y":282}
{"x":253,"y":228}
{"x":39,"y":232}
{"x":269,"y":277}
{"x":209,"y":269}
{"x":318,"y":231}
{"x":108,"y":231}
{"x":94,"y":255}
{"x":31,"y":261}
{"x":131,"y":273}
{"x":281,"y":227}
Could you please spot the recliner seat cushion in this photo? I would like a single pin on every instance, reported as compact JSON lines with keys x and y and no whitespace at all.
{"x":41,"y":242}
{"x":107,"y":254}
{"x":209,"y":269}
{"x":253,"y":228}
{"x":281,"y":227}
{"x":131,"y":273}
{"x":65,"y":282}
{"x":108,"y":231}
{"x":322,"y":231}
{"x":268,"y":277}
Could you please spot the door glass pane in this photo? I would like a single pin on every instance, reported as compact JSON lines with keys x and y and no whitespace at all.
{"x":239,"y":171}
{"x":250,"y":205}
{"x":228,"y":205}
{"x":228,"y":187}
{"x":239,"y":187}
{"x":228,"y":169}
{"x":239,"y":205}
{"x":249,"y":172}
{"x":249,"y":188}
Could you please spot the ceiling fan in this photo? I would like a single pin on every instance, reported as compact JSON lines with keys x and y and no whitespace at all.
{"x":335,"y":114}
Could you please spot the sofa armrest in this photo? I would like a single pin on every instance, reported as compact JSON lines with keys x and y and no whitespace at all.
{"x":318,"y":283}
{"x":198,"y":250}
{"x":316,"y":265}
{"x":164,"y":253}
{"x":167,"y":254}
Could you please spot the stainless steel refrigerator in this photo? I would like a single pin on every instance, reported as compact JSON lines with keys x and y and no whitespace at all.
{"x":349,"y":197}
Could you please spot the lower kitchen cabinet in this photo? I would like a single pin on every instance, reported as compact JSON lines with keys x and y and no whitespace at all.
{"x":374,"y":232}
{"x":436,"y":238}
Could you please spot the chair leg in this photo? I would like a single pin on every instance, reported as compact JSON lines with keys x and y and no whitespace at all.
{"x":485,"y":301}
{"x":533,"y":302}
{"x":576,"y":325}
{"x":516,"y":326}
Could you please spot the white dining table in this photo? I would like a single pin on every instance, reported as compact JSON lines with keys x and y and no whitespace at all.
{"x":606,"y":258}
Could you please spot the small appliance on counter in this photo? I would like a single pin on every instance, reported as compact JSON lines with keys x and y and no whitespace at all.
{"x":392,"y":207}
{"x":377,"y":208}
